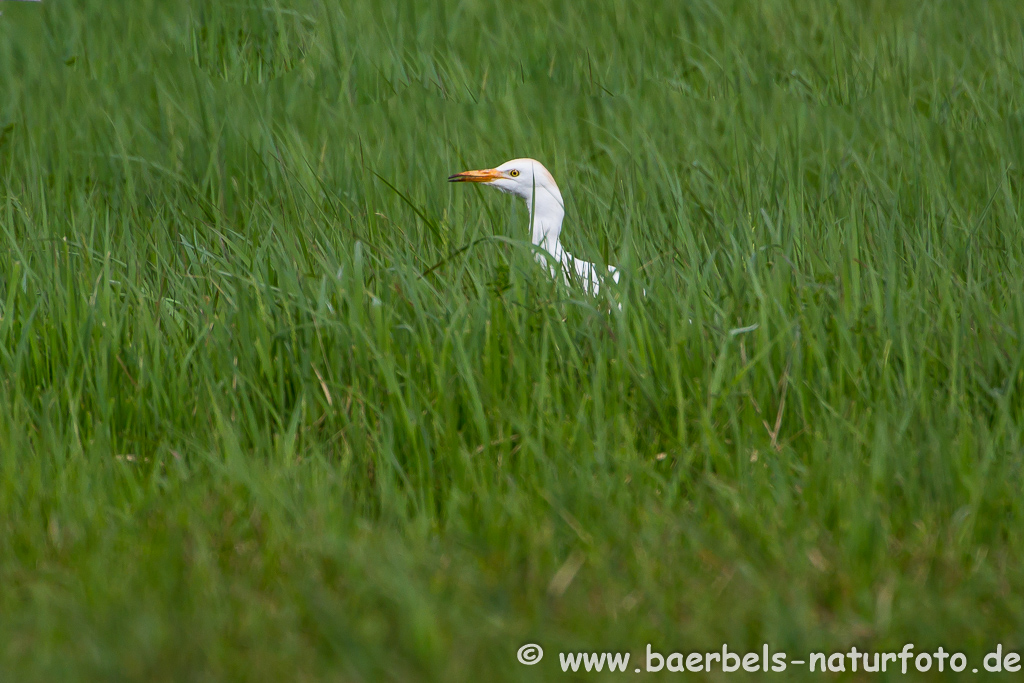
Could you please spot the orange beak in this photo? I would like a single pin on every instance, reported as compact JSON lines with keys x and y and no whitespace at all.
{"x":485,"y":176}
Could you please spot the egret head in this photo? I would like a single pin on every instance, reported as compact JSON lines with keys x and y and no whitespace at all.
{"x":525,"y":178}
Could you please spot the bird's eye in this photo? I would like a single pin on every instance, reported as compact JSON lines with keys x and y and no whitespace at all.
{"x":514,"y":173}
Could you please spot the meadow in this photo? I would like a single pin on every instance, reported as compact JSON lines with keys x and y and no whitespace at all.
{"x":277,"y":403}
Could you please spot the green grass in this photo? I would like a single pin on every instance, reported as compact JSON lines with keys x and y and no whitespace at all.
{"x":243,"y":437}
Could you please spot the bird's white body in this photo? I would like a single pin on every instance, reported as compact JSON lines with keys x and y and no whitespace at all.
{"x":531,"y":182}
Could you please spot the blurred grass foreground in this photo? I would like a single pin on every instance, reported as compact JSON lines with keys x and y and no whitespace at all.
{"x":278,"y":403}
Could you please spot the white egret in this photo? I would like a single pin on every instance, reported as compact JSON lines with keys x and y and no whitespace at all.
{"x":531,"y":182}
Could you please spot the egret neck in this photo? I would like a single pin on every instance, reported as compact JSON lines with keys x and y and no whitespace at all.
{"x":531,"y":182}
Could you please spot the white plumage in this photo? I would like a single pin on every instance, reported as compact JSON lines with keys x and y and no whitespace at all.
{"x":531,"y":182}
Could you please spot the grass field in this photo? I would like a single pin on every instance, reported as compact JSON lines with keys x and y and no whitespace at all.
{"x":277,"y":403}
